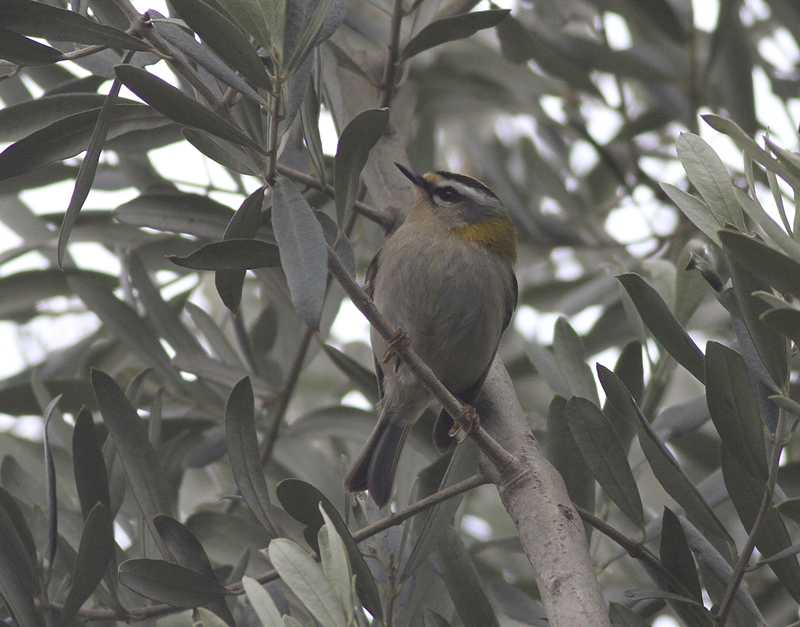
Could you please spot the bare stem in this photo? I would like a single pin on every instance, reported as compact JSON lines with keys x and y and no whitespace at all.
{"x":286,"y":395}
{"x":763,"y":512}
{"x":275,"y":118}
{"x":390,"y":70}
{"x":380,"y":217}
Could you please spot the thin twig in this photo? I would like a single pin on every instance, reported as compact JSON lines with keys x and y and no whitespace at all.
{"x":286,"y":396}
{"x":390,"y":70}
{"x":763,"y":512}
{"x":381,"y":217}
{"x":636,"y":551}
{"x":274,"y":122}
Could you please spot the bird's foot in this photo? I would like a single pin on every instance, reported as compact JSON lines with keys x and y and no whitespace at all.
{"x":399,"y":339}
{"x":468,"y":420}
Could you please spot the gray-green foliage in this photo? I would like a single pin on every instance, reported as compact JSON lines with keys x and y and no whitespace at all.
{"x":196,"y":439}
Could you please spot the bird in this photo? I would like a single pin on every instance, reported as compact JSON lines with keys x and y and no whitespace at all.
{"x":446,"y":280}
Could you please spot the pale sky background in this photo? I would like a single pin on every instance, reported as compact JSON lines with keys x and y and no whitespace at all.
{"x":633,"y":222}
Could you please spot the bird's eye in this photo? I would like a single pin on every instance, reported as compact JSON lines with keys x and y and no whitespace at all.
{"x":447,"y":194}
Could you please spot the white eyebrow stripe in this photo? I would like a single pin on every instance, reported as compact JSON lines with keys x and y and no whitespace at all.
{"x":469,"y":191}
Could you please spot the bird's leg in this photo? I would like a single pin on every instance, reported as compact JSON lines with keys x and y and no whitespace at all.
{"x":398,"y":339}
{"x":468,"y":419}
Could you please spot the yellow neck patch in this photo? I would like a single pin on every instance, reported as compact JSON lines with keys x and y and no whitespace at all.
{"x":497,"y":235}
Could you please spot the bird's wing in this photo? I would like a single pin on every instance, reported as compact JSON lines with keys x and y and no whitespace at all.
{"x":511,"y":300}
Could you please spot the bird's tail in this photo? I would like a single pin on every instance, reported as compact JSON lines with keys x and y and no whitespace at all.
{"x":375,"y":467}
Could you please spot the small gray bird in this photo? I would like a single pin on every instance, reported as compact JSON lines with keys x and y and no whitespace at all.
{"x":445,"y":278}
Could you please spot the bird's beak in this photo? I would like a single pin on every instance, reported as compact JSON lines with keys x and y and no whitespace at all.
{"x":412,"y":176}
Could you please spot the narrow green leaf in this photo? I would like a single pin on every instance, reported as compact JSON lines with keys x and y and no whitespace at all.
{"x":663,"y":324}
{"x":676,"y":555}
{"x":747,"y":493}
{"x":184,"y":545}
{"x":16,"y":597}
{"x":335,"y":564}
{"x":224,"y":38}
{"x":451,"y":29}
{"x":244,"y":224}
{"x":734,"y":409}
{"x":621,"y":616}
{"x":640,"y":594}
{"x":566,"y":457}
{"x":126,"y":324}
{"x":185,"y":43}
{"x":50,"y":22}
{"x":352,"y":151}
{"x":215,"y":336}
{"x":784,"y":402}
{"x":91,"y":477}
{"x":770,"y":265}
{"x":462,"y":466}
{"x":25,"y":118}
{"x":750,"y":148}
{"x":303,"y":251}
{"x":262,"y":603}
{"x":690,"y":287}
{"x":95,"y":552}
{"x":70,"y":136}
{"x":138,"y":456}
{"x":15,"y":539}
{"x":50,"y":478}
{"x":169,"y":583}
{"x":301,"y":501}
{"x":88,"y":168}
{"x":433,"y":619}
{"x":232,"y":254}
{"x":14,"y":513}
{"x":463,"y":582}
{"x":190,"y":214}
{"x":305,"y":578}
{"x":707,"y":173}
{"x":363,"y":378}
{"x":23,"y":51}
{"x":189,"y":553}
{"x":664,"y":466}
{"x":309,"y":117}
{"x":229,"y":156}
{"x":545,"y":363}
{"x":211,"y":619}
{"x":326,"y":18}
{"x":773,"y":230}
{"x":256,"y":18}
{"x":792,"y":550}
{"x":161,"y":314}
{"x":772,"y":347}
{"x":784,"y":320}
{"x":571,"y":359}
{"x":630,"y":370}
{"x":240,"y":433}
{"x":604,"y":455}
{"x":175,"y":105}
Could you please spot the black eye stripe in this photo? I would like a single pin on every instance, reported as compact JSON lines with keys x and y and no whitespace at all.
{"x":448,"y":194}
